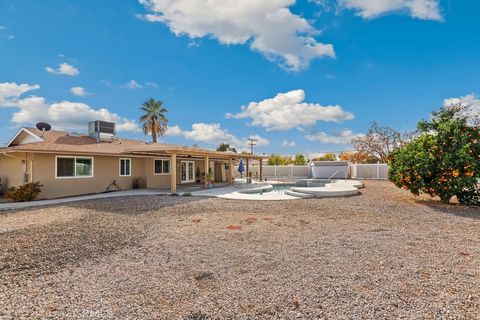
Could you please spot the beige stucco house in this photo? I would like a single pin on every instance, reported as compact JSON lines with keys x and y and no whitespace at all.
{"x":68,"y":164}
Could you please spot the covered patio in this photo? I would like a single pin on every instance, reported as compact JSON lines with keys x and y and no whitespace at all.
{"x":183,"y":159}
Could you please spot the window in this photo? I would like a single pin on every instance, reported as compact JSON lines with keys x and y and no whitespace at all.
{"x":74,"y":167}
{"x":125,"y":165}
{"x":161,"y":166}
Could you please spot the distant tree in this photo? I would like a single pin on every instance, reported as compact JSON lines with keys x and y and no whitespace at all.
{"x":357,"y":157}
{"x":153,"y":119}
{"x":326,"y":157}
{"x":223,"y":147}
{"x":380,"y":142}
{"x":300,"y":160}
{"x":278,"y":160}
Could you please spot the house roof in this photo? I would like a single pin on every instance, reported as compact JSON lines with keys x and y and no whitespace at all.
{"x":65,"y":142}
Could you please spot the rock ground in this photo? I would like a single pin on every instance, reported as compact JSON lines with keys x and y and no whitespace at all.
{"x":381,"y":255}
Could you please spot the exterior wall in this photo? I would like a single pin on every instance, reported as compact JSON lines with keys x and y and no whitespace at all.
{"x":105,"y":170}
{"x":13,"y":169}
{"x":163,"y":180}
{"x":41,"y":167}
{"x":155,"y":181}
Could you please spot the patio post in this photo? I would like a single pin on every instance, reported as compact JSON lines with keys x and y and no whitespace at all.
{"x":261,"y":169}
{"x":173,"y":174}
{"x":206,"y":168}
{"x":248,"y":171}
{"x":232,"y":171}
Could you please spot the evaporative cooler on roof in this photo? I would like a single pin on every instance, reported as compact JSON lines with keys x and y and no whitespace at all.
{"x":101,"y":130}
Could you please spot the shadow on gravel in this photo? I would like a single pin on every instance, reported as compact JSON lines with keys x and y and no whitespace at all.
{"x":132,"y":205}
{"x":456,"y":210}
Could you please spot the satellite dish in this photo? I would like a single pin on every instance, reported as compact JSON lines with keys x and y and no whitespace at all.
{"x":43,"y":126}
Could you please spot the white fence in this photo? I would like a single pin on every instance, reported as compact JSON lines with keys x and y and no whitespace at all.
{"x":354,"y":171}
{"x":369,"y":171}
{"x":280,"y":171}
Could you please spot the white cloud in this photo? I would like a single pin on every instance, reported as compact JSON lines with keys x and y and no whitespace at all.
{"x":420,"y":9}
{"x":260,"y":140}
{"x":151,"y":84}
{"x":288,"y":110}
{"x":470,"y":100}
{"x":344,"y":137}
{"x":471,"y":104}
{"x":210,"y":133}
{"x":268,"y":26}
{"x":65,"y":69}
{"x":286,"y":143}
{"x":78,"y":91}
{"x":62,"y":115}
{"x":132,"y":84}
{"x":213,"y":133}
{"x":10,"y":91}
{"x":173,"y":131}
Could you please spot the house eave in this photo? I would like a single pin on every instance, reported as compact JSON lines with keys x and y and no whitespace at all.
{"x":39,"y":139}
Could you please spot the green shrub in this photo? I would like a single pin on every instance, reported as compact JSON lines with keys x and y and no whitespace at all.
{"x":26,"y":192}
{"x":443,"y":161}
{"x":187,"y":194}
{"x":174,"y":194}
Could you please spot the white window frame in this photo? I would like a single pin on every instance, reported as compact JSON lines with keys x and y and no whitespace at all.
{"x":75,"y":170}
{"x":162,"y":174}
{"x":120,"y":167}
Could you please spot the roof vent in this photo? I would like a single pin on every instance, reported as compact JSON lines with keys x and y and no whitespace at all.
{"x":101,"y":130}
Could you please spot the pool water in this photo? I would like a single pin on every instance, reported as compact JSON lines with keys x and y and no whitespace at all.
{"x":281,"y":188}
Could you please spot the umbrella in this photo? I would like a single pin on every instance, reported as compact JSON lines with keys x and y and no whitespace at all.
{"x":241,"y":168}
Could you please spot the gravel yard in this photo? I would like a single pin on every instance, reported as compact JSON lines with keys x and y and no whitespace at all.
{"x":380,"y":255}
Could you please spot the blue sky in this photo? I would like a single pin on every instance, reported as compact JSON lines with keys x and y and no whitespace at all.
{"x":311,"y":74}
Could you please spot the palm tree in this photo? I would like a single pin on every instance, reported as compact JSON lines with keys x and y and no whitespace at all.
{"x":153,"y":119}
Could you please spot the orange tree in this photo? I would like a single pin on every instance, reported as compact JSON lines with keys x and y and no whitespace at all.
{"x":443,"y":160}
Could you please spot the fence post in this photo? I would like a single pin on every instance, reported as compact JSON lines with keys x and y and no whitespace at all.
{"x":378,"y":170}
{"x":275,"y":170}
{"x":291,"y":170}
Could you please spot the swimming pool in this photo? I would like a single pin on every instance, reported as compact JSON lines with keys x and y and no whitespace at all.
{"x":305,"y":188}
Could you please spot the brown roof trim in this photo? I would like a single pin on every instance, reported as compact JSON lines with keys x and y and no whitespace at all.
{"x":63,"y":152}
{"x":150,"y":153}
{"x":193,"y":151}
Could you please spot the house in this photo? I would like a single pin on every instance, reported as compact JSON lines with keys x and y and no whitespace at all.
{"x":69,"y":164}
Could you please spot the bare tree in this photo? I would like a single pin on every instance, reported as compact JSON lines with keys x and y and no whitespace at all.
{"x":379,"y":142}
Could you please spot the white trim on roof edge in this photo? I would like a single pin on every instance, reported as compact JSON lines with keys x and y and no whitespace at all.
{"x":26,"y":131}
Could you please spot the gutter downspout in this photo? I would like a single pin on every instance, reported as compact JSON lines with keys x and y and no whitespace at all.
{"x":8,"y":155}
